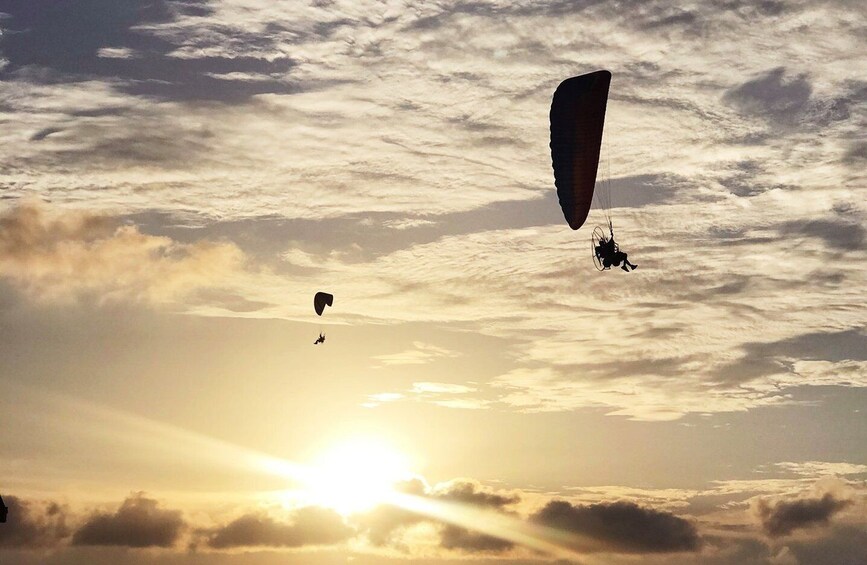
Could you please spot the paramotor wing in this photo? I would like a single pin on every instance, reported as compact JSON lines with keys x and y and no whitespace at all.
{"x":321,"y":300}
{"x":577,"y":118}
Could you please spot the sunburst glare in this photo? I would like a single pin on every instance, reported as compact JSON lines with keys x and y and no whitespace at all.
{"x":356,"y":475}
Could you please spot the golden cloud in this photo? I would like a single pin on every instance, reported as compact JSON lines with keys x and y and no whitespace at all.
{"x":64,"y":256}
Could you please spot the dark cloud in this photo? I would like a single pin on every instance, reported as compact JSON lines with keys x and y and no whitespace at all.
{"x":841,"y":235}
{"x":747,"y":368}
{"x":471,"y":492}
{"x":843,"y":545}
{"x":761,"y":359}
{"x":43,"y":133}
{"x":823,"y":112}
{"x":306,"y":526}
{"x":847,"y":345}
{"x":457,"y":538}
{"x":856,"y":154}
{"x":782,"y":517}
{"x":764,"y":7}
{"x":144,"y":140}
{"x":784,"y":100}
{"x":773,"y":95}
{"x":665,"y":15}
{"x":742,"y":549}
{"x":622,"y":527}
{"x":745,"y":179}
{"x":32,"y":524}
{"x":65,"y":38}
{"x":604,"y":370}
{"x":139,"y":522}
{"x":697,"y":20}
{"x":365,"y":236}
{"x":118,"y":137}
{"x":383,"y":524}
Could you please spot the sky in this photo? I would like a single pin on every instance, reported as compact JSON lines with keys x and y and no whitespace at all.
{"x":178,"y":178}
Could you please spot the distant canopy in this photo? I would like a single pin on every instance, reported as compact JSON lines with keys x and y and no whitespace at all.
{"x":577,"y":118}
{"x":321,"y":300}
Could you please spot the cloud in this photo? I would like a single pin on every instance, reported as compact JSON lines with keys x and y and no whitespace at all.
{"x":843,"y":545}
{"x":306,"y":526}
{"x":455,"y":537}
{"x":856,"y":153}
{"x":420,"y":354}
{"x":820,"y":468}
{"x":447,"y":395}
{"x":139,"y":522}
{"x":788,"y":101}
{"x":121,"y":42}
{"x":257,"y":116}
{"x":828,"y":355}
{"x":749,"y":178}
{"x":773,"y":95}
{"x":472,"y":492}
{"x":53,"y":256}
{"x":781,"y":517}
{"x":838,"y":235}
{"x":621,"y":527}
{"x":701,"y":333}
{"x":440,"y":388}
{"x":32,"y":524}
{"x":385,"y":525}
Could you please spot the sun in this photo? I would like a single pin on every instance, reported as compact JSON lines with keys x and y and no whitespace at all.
{"x":356,"y":475}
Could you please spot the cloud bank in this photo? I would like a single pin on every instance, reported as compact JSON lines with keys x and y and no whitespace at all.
{"x":139,"y":522}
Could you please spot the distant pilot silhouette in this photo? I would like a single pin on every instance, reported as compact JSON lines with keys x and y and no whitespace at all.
{"x":4,"y":510}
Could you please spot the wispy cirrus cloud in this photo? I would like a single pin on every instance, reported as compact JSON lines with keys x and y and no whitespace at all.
{"x":420,"y":354}
{"x":819,"y":468}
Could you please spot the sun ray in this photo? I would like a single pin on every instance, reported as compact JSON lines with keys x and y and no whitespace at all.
{"x":541,"y":538}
